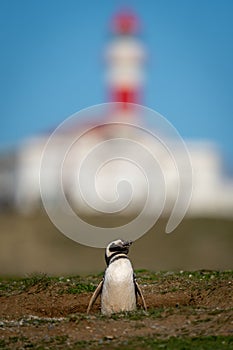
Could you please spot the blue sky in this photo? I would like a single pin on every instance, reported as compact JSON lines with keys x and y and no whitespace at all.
{"x":51,"y":64}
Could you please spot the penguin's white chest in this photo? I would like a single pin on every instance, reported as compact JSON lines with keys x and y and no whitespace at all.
{"x":118,"y":293}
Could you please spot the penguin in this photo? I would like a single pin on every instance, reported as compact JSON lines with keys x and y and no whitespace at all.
{"x":118,"y":288}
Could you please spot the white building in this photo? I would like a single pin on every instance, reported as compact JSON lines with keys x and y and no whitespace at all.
{"x":212,"y":190}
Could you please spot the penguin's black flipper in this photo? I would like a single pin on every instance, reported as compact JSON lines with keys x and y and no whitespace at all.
{"x":139,"y":292}
{"x":95,"y":295}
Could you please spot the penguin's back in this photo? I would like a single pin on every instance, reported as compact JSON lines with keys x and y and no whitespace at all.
{"x":118,"y":293}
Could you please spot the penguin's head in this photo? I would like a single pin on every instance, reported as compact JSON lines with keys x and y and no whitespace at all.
{"x":117,"y":247}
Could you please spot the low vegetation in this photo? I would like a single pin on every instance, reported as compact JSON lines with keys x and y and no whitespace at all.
{"x":186,"y":310}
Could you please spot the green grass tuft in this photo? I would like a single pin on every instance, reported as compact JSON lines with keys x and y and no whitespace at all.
{"x":81,"y":288}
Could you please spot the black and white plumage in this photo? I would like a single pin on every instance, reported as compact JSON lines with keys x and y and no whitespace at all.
{"x":119,"y":288}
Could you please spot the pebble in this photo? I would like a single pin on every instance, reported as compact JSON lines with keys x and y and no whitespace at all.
{"x":109,"y":337}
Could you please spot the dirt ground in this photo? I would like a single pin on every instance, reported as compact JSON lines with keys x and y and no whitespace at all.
{"x":44,"y":313}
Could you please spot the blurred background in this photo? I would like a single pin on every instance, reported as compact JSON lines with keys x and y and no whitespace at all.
{"x":59,"y":57}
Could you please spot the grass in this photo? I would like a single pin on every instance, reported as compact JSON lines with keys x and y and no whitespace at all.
{"x":149,"y":343}
{"x":200,"y":275}
{"x":81,"y":288}
{"x":169,"y":282}
{"x":177,"y":343}
{"x":70,"y":285}
{"x":78,"y":284}
{"x":18,"y":285}
{"x":173,"y":343}
{"x":161,"y":282}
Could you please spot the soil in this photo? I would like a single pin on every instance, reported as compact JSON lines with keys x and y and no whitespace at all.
{"x":178,"y":305}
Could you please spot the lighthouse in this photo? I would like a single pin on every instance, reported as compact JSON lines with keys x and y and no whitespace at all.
{"x":125,"y":57}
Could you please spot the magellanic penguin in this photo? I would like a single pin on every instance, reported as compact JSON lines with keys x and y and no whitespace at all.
{"x":119,"y":288}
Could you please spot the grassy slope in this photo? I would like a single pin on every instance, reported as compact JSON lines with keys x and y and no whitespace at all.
{"x":169,"y":282}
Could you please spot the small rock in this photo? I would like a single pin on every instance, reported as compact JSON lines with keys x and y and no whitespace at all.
{"x":109,"y":337}
{"x":154,"y":326}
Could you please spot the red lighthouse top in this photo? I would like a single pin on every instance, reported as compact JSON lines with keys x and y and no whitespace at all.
{"x":125,"y":23}
{"x":125,"y":57}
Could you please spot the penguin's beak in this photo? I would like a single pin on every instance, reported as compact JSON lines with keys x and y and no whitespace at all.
{"x":127,"y":243}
